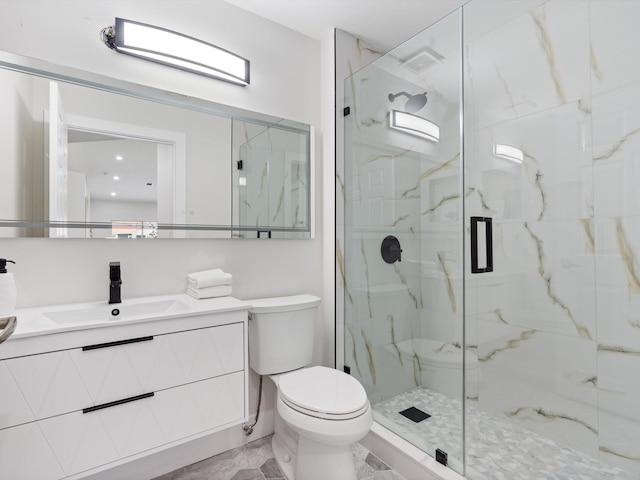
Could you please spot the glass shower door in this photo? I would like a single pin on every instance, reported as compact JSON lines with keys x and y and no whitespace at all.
{"x":528,"y":166}
{"x":404,"y":239}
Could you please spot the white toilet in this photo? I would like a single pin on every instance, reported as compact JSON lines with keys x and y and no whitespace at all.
{"x":320,"y":411}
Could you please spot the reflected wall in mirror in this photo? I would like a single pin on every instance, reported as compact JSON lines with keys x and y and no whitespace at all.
{"x":90,"y":160}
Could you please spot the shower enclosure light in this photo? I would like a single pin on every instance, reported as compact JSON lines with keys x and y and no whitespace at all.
{"x":507,"y":152}
{"x":176,"y":50}
{"x":414,"y":125}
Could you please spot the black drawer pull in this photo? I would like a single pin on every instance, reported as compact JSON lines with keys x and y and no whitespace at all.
{"x":117,"y":402}
{"x":115,"y":344}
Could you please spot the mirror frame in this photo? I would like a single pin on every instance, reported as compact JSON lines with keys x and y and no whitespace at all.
{"x":74,"y":76}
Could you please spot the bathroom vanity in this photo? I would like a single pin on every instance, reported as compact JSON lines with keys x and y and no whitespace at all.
{"x":85,"y":388}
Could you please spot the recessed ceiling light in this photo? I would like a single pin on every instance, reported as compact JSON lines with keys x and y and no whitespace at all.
{"x":113,"y":194}
{"x":116,"y":177}
{"x":119,"y":157}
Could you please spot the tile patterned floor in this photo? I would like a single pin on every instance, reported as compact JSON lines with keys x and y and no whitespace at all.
{"x":496,"y":449}
{"x":255,"y":461}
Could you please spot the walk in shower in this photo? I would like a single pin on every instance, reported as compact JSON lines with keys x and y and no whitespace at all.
{"x":491,"y":244}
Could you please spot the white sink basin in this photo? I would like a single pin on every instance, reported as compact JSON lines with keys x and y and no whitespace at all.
{"x":116,"y":311}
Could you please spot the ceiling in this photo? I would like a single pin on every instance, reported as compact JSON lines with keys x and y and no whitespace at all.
{"x":382,"y":23}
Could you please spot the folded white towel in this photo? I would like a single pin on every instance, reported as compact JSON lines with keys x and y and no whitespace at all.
{"x":210,"y":292}
{"x":209,"y":278}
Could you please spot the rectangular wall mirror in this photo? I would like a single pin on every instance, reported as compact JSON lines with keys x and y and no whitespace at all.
{"x":86,"y":156}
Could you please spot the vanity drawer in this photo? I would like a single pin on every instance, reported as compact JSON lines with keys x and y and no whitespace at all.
{"x":26,"y":455}
{"x":80,"y":441}
{"x":60,"y":382}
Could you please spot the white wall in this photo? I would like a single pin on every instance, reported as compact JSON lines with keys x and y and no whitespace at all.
{"x":108,"y":210}
{"x":285,"y":79}
{"x":285,"y":82}
{"x":284,"y":64}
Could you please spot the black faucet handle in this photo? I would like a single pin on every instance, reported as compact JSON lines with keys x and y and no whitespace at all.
{"x":114,"y":272}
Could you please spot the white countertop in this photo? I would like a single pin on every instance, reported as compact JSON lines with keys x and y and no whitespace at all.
{"x":35,"y":321}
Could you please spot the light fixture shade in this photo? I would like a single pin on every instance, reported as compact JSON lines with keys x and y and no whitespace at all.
{"x":508,"y":152}
{"x":414,"y":125}
{"x":180,"y":51}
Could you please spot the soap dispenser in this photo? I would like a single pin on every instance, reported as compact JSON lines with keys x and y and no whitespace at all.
{"x":7,"y":289}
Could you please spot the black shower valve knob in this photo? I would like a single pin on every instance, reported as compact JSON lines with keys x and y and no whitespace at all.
{"x":390,"y":249}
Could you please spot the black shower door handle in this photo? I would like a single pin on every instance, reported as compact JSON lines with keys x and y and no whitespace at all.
{"x":475,"y":268}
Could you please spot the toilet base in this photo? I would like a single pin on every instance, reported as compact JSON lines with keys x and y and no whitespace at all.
{"x":319,"y":461}
{"x":310,"y":461}
{"x":285,"y":459}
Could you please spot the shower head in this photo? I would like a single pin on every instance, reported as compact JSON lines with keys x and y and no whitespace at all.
{"x":414,"y":102}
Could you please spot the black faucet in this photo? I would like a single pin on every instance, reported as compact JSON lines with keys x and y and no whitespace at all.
{"x":114,"y":282}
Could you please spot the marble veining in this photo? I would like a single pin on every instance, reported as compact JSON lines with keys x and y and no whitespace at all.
{"x":583,"y":107}
{"x":537,"y":412}
{"x":616,"y":147}
{"x":505,"y":85}
{"x":547,"y":277}
{"x":539,"y":18}
{"x":403,"y":280}
{"x":588,"y":227}
{"x":365,"y":48}
{"x":443,"y":200}
{"x":595,"y":67}
{"x":370,"y":360}
{"x":340,"y":183}
{"x":447,"y":277}
{"x":481,"y":197}
{"x":500,"y":316}
{"x":628,"y":257}
{"x":611,"y":451}
{"x":617,"y":349}
{"x":511,"y":344}
{"x":400,"y":219}
{"x":432,"y":171}
{"x":366,"y":277}
{"x":263,"y":177}
{"x":583,"y":379}
{"x":280,"y":202}
{"x":354,"y":350}
{"x":394,"y":343}
{"x":532,"y":166}
{"x":417,"y":369}
{"x":340,"y":263}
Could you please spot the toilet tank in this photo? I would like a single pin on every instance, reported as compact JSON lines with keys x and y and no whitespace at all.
{"x":281,"y":332}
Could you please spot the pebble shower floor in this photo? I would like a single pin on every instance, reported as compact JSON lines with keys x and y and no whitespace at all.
{"x":496,"y":449}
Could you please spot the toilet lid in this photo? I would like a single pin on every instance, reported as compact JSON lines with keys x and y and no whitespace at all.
{"x":323,"y":392}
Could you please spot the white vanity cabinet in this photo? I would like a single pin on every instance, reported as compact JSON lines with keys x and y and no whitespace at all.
{"x":98,"y":397}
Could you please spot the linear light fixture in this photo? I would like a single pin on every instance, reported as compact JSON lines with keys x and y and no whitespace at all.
{"x":507,"y":152}
{"x":176,"y":50}
{"x":414,"y":125}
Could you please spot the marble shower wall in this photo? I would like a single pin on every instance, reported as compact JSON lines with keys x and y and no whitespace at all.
{"x":402,"y":185}
{"x":351,"y":55}
{"x":556,"y":326}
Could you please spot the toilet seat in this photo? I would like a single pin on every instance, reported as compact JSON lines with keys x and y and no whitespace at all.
{"x":323,"y":392}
